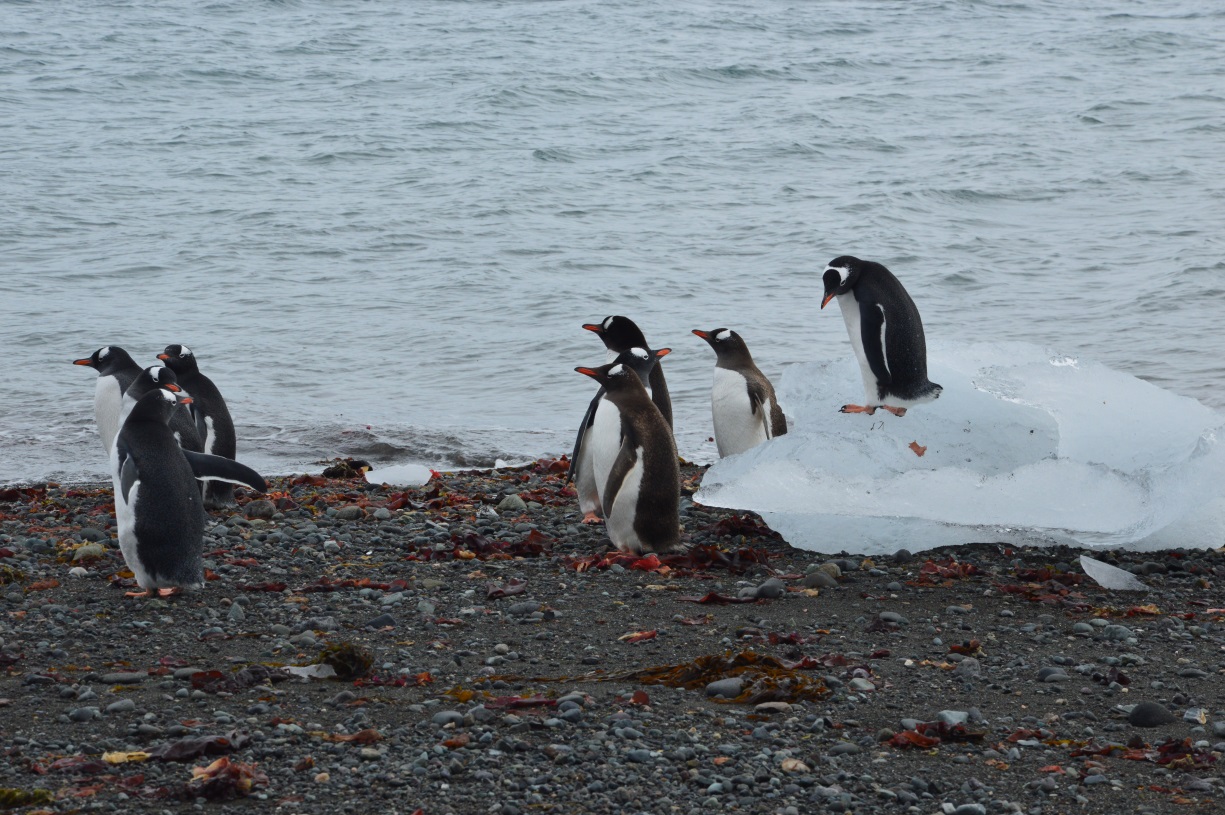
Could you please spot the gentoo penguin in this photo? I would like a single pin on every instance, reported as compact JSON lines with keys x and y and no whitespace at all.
{"x":181,"y":422}
{"x":157,"y":503}
{"x":211,"y":416}
{"x":600,"y":431}
{"x":621,"y":334}
{"x":886,"y":333}
{"x":642,"y":495}
{"x":742,"y":401}
{"x":116,"y":370}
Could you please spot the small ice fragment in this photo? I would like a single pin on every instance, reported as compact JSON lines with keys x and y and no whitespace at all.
{"x":319,"y":671}
{"x":1111,"y":577}
{"x":400,"y":475}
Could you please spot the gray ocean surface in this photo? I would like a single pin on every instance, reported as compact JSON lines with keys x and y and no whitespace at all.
{"x":381,"y":224}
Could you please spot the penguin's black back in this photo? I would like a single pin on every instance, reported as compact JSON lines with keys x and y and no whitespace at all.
{"x":656,"y":515}
{"x":169,"y":514}
{"x":208,"y":402}
{"x":905,"y":346}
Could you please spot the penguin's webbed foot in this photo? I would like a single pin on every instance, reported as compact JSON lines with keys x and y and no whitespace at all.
{"x":857,"y":409}
{"x":592,"y":518}
{"x":896,"y":411}
{"x":144,"y":593}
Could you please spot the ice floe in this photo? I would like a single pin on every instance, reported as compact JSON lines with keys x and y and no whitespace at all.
{"x":1024,"y":446}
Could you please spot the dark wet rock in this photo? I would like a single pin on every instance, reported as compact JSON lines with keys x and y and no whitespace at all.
{"x":350,"y":513}
{"x":259,"y":509}
{"x":1150,"y":714}
{"x":512,"y":504}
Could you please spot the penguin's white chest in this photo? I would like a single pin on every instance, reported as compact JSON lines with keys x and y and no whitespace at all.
{"x":620,"y":517}
{"x":737,"y":428}
{"x":604,"y":438}
{"x":108,"y":402}
{"x":125,"y":519}
{"x":850,"y":315}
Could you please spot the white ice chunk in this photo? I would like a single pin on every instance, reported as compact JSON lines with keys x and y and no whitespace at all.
{"x":1023,"y":446}
{"x":317,"y":671}
{"x":1111,"y":577}
{"x":400,"y":475}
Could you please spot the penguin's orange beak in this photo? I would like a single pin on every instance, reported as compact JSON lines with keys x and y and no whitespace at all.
{"x":173,"y":388}
{"x":163,"y":356}
{"x":591,"y":372}
{"x":186,"y":400}
{"x":829,"y":295}
{"x":82,"y":362}
{"x":596,"y":327}
{"x":662,"y":352}
{"x":703,"y":334}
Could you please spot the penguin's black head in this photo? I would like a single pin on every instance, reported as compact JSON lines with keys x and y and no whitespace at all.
{"x":158,"y":376}
{"x":106,"y":358}
{"x":641,"y":360}
{"x":618,"y":333}
{"x":840,"y":277}
{"x":728,"y":345}
{"x":157,"y":406}
{"x":615,"y":377}
{"x":178,"y":358}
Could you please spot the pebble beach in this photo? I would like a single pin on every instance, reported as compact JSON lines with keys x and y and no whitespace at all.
{"x":468,"y":646}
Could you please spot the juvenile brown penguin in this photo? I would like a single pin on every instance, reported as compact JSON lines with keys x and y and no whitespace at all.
{"x":641,"y":497}
{"x":600,"y":431}
{"x":742,"y":401}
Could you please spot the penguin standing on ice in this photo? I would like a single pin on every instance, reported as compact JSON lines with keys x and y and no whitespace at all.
{"x":886,"y":333}
{"x":599,"y":435}
{"x":211,"y":416}
{"x":621,"y":334}
{"x":116,"y":370}
{"x":641,"y":498}
{"x":157,"y":503}
{"x":742,"y":402}
{"x":181,"y":422}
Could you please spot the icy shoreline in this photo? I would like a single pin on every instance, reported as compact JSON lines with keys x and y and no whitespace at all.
{"x":1024,"y":446}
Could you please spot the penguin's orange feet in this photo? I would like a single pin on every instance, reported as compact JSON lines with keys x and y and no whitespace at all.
{"x":146,"y":593}
{"x":592,"y":518}
{"x":171,"y":592}
{"x":896,"y":411}
{"x":857,"y":409}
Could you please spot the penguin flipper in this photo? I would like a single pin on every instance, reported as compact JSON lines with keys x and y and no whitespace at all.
{"x":128,"y":474}
{"x":584,"y":426}
{"x":627,"y":456}
{"x":757,"y":395}
{"x":197,"y":416}
{"x":872,"y":333}
{"x":215,"y":468}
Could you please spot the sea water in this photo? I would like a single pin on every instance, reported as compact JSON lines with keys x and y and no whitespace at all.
{"x":380,"y":225}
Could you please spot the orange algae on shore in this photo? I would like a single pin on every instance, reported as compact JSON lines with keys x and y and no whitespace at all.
{"x":763,"y":678}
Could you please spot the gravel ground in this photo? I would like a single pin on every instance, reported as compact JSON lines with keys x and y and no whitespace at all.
{"x":494,"y":656}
